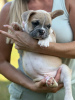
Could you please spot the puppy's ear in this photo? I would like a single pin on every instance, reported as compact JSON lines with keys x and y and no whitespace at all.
{"x":26,"y":15}
{"x":56,"y":13}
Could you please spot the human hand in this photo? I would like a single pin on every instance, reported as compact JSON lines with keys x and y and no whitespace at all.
{"x":21,"y":39}
{"x":42,"y":88}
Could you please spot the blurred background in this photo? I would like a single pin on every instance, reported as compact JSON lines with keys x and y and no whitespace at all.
{"x":4,"y":95}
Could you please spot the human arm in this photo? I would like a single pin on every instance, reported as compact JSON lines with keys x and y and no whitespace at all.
{"x":66,"y":50}
{"x":8,"y":70}
{"x":5,"y":52}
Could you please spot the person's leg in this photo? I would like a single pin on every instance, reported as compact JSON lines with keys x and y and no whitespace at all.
{"x":13,"y":98}
{"x":17,"y":92}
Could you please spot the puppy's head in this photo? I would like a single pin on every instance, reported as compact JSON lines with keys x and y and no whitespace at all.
{"x":38,"y":23}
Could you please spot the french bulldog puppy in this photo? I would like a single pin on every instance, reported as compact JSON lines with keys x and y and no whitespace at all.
{"x":38,"y":66}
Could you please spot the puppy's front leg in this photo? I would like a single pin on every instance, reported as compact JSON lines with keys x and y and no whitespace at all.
{"x":50,"y":38}
{"x":66,"y":79}
{"x":45,"y":42}
{"x":16,"y":26}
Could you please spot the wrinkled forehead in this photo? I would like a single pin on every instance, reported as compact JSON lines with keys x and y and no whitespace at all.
{"x":42,"y":17}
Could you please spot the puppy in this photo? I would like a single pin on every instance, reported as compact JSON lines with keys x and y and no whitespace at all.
{"x":37,"y":66}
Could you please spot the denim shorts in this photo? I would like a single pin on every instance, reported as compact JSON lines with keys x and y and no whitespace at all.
{"x":18,"y":92}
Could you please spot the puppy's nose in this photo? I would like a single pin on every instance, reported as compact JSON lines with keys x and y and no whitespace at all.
{"x":41,"y":31}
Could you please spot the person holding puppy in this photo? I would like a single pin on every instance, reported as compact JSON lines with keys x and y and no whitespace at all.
{"x":25,"y":88}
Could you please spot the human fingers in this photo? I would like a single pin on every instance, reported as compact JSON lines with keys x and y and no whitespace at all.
{"x":6,"y":34}
{"x":45,"y":89}
{"x":57,"y":77}
{"x":9,"y":27}
{"x":42,"y":83}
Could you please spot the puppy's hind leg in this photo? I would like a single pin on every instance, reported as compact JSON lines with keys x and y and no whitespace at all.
{"x":50,"y":81}
{"x":66,"y":79}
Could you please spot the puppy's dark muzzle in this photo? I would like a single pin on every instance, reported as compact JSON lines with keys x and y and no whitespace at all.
{"x":41,"y":32}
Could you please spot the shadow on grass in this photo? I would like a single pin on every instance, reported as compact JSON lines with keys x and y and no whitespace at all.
{"x":4,"y":95}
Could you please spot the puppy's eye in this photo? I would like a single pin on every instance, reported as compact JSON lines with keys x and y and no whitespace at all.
{"x":35,"y":23}
{"x":48,"y":26}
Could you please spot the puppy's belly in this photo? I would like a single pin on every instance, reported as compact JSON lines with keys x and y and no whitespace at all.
{"x":37,"y":65}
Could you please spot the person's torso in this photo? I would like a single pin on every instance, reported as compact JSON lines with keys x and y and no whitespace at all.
{"x":61,"y":24}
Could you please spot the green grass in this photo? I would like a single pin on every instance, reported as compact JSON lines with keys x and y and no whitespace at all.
{"x":4,"y":95}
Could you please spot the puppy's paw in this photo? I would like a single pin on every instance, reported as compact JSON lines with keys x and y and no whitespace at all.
{"x":51,"y":82}
{"x":43,"y":43}
{"x":16,"y":26}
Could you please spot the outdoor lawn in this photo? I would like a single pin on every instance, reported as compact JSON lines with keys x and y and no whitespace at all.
{"x":4,"y":95}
